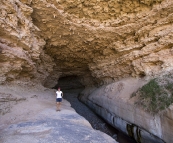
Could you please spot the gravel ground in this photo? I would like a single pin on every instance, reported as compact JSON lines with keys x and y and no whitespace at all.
{"x":96,"y":122}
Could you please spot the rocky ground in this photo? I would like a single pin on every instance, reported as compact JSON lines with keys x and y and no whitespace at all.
{"x":36,"y":120}
{"x":96,"y":122}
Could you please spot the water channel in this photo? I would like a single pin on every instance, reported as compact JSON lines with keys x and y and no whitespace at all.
{"x":96,"y":122}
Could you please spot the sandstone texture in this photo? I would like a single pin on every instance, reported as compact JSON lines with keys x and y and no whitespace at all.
{"x":100,"y":41}
{"x":35,"y":119}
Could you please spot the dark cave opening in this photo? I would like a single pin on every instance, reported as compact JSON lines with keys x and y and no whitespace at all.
{"x":69,"y":83}
{"x":71,"y":87}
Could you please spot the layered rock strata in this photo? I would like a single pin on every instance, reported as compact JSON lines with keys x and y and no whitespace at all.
{"x":99,"y":41}
{"x":52,"y":39}
{"x":21,"y":47}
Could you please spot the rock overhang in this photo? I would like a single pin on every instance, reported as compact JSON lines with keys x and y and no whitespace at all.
{"x":43,"y":41}
{"x":86,"y":39}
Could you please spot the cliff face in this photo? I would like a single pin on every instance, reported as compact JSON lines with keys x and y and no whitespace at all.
{"x":21,"y":46}
{"x":105,"y":40}
{"x":100,"y":42}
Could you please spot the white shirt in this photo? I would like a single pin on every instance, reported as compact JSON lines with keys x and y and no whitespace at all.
{"x":58,"y":94}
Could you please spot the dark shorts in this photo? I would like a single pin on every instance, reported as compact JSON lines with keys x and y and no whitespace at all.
{"x":59,"y":100}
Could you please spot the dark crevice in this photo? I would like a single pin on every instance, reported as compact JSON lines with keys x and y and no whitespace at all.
{"x":69,"y":82}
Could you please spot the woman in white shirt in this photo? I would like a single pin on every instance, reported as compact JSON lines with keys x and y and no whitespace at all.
{"x":59,"y":95}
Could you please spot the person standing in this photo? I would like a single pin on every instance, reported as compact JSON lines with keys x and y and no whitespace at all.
{"x":59,"y":95}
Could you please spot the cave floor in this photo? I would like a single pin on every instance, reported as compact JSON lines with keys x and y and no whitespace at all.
{"x":36,"y":120}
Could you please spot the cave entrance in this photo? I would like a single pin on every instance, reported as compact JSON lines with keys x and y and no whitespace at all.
{"x":71,"y":87}
{"x":70,"y":83}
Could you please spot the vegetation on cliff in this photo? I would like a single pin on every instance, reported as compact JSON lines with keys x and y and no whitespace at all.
{"x":156,"y":95}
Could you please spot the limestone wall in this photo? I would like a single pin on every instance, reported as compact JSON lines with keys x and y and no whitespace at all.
{"x":21,"y":47}
{"x":105,"y":40}
{"x":113,"y":102}
{"x":99,"y":41}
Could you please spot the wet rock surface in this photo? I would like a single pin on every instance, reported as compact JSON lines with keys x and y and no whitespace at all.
{"x":96,"y":122}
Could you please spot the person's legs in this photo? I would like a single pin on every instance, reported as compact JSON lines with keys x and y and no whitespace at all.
{"x":57,"y":106}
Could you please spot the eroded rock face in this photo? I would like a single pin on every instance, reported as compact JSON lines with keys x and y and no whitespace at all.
{"x":130,"y":45}
{"x":21,"y":47}
{"x":100,"y":40}
{"x":105,"y":10}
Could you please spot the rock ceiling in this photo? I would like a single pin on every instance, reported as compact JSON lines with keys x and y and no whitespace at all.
{"x":100,"y":40}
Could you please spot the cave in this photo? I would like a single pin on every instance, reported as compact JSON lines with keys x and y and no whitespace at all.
{"x":72,"y":87}
{"x":108,"y":50}
{"x":69,"y":82}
